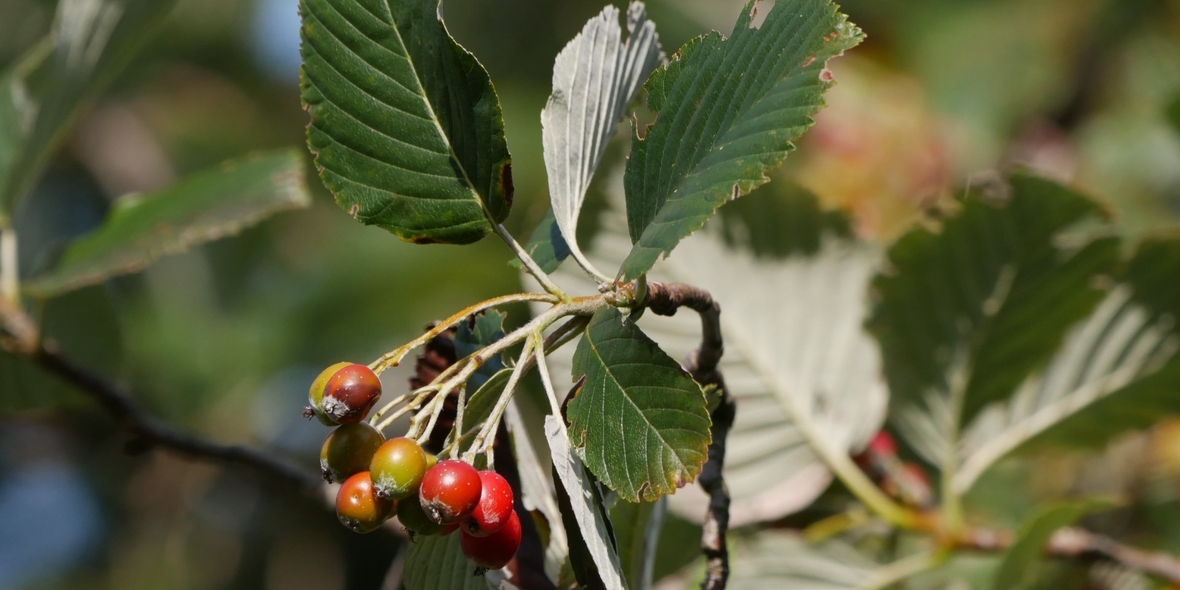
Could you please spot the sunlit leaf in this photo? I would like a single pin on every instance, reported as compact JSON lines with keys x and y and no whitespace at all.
{"x":206,"y":206}
{"x":639,"y":422}
{"x":1029,"y":547}
{"x":594,"y":78}
{"x":592,"y":526}
{"x":48,"y":88}
{"x":406,"y":128}
{"x":727,"y":112}
{"x":804,"y":372}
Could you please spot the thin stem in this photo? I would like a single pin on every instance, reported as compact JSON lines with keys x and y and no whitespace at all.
{"x":465,"y":367}
{"x":419,"y":397}
{"x":904,"y":568}
{"x":952,"y":504}
{"x":529,"y":264}
{"x":150,"y":432}
{"x":458,"y":427}
{"x":25,"y":337}
{"x":401,"y":399}
{"x":594,"y":273}
{"x":394,"y":357}
{"x":9,"y":271}
{"x":547,"y":382}
{"x":486,"y":437}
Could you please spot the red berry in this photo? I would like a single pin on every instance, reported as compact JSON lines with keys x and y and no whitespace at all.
{"x":882,"y":444}
{"x":495,"y":550}
{"x":494,"y":508}
{"x":359,"y":508}
{"x":343,"y":393}
{"x":450,"y":491}
{"x":348,"y":450}
{"x":397,"y":468}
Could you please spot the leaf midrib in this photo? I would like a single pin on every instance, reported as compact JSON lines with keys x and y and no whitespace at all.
{"x":719,"y":139}
{"x":429,"y":107}
{"x":626,"y":396}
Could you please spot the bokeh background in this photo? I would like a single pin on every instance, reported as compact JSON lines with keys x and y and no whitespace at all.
{"x":224,"y":339}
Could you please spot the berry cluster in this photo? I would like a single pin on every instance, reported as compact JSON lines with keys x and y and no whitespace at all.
{"x":381,"y":478}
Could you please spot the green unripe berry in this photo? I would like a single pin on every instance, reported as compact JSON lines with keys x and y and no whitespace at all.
{"x":397,"y":468}
{"x":315,"y":395}
{"x":414,"y":519}
{"x":348,"y":450}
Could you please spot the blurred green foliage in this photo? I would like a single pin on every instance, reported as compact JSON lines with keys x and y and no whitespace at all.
{"x":224,"y":339}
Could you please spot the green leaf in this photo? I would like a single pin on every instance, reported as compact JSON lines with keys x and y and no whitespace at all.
{"x":473,"y":335}
{"x":406,"y":128}
{"x":806,"y":375}
{"x":204,"y":207}
{"x":968,"y":312}
{"x":594,"y":78}
{"x":546,"y":245}
{"x":639,"y":422}
{"x":1117,"y":371}
{"x":1015,"y":569}
{"x":637,"y":531}
{"x":48,"y":88}
{"x":1173,"y":112}
{"x":728,"y":110}
{"x":582,"y":512}
{"x":438,"y":563}
{"x":1126,"y":374}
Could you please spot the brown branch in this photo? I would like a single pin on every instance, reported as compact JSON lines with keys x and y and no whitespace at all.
{"x":1081,"y":545}
{"x":150,"y":431}
{"x":664,"y":299}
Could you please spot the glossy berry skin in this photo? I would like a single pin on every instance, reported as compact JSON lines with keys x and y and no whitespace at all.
{"x":344,"y":393}
{"x":359,"y":509}
{"x":450,"y":491}
{"x":494,"y":508}
{"x":397,"y":468}
{"x":315,"y":395}
{"x":495,"y":550}
{"x":348,"y":451}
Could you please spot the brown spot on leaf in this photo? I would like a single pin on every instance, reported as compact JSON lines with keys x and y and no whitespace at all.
{"x":810,"y":60}
{"x":826,"y":75}
{"x":506,"y":185}
{"x":354,"y":210}
{"x":423,"y":240}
